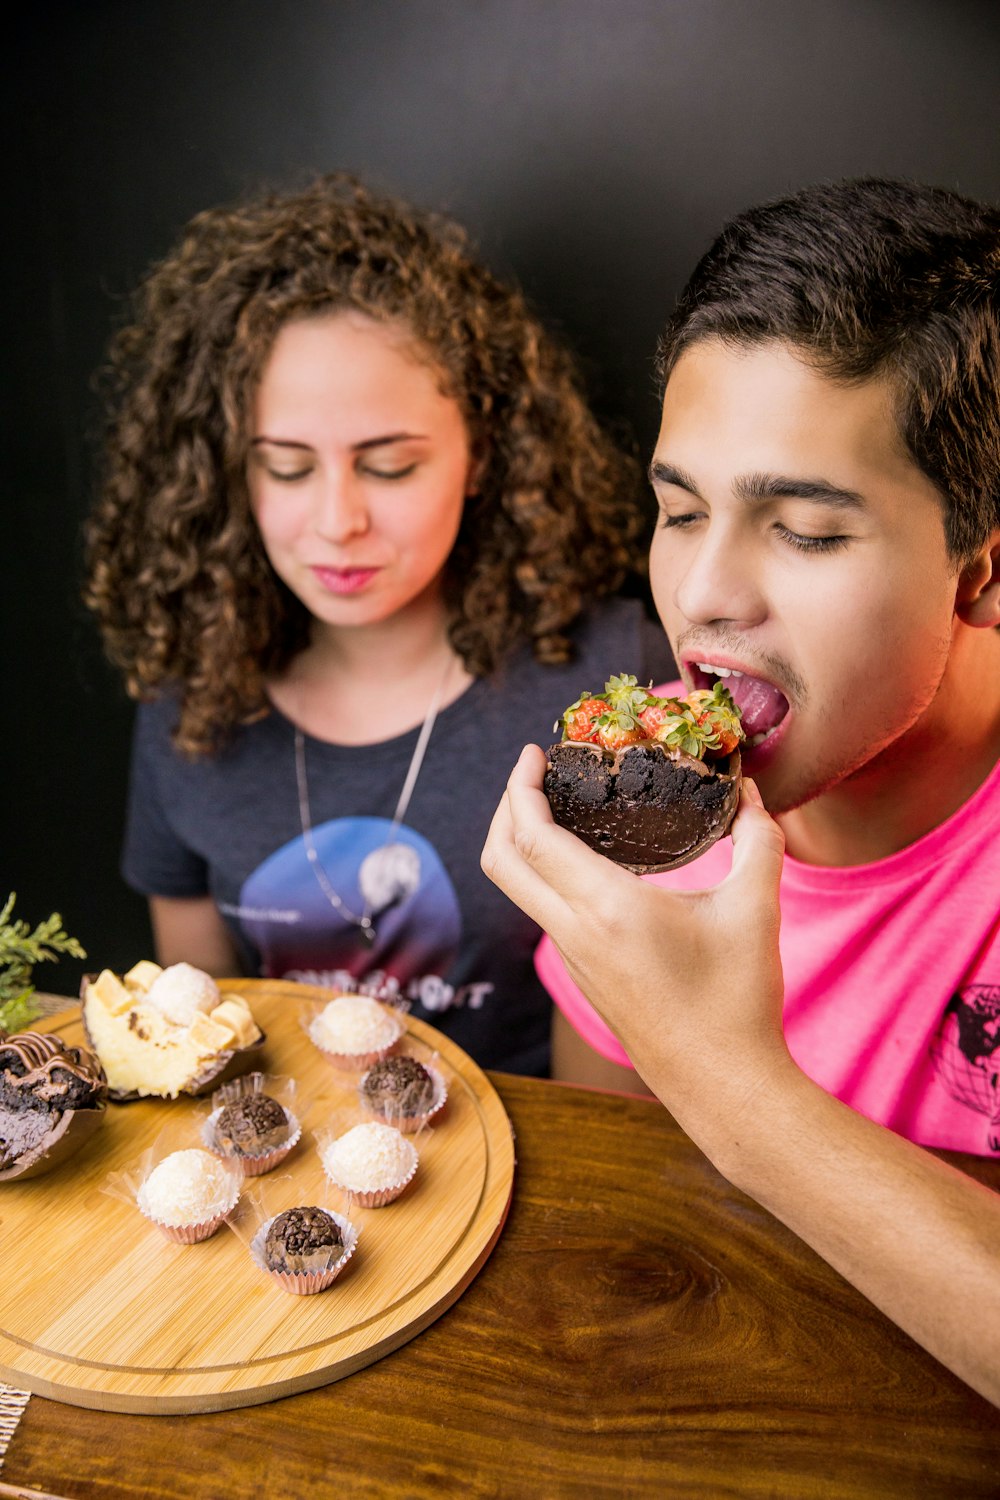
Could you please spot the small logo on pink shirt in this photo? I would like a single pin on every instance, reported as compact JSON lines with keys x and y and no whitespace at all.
{"x":966,"y":1052}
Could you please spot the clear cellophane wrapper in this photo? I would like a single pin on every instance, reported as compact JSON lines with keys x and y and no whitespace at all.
{"x":283,"y":1090}
{"x":410,"y":1123}
{"x":347,"y":1061}
{"x":260,"y":1205}
{"x":128,"y":1186}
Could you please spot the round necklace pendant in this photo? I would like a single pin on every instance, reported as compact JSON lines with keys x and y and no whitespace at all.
{"x":388,"y":875}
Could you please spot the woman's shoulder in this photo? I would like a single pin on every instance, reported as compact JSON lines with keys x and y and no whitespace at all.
{"x":615,"y":636}
{"x":619,"y":635}
{"x":156,"y":721}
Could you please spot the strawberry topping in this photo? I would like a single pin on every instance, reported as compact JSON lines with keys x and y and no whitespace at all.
{"x":704,"y":725}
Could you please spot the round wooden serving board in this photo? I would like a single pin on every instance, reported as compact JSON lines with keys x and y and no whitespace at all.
{"x":100,"y":1310}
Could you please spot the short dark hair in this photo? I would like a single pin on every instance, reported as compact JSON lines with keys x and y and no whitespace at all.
{"x":874,"y":277}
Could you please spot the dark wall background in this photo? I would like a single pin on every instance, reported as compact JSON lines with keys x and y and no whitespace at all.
{"x":593,"y":147}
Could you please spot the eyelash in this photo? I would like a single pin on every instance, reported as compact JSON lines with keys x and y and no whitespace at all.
{"x":811,"y":543}
{"x":284,"y":478}
{"x":793,"y":538}
{"x":390,"y":474}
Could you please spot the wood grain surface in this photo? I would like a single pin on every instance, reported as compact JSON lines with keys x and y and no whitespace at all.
{"x":641,"y":1329}
{"x":142,"y":1324}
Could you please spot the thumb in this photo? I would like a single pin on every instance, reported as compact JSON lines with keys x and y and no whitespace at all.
{"x":758,"y":844}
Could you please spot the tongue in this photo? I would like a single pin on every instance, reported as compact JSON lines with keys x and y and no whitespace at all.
{"x":761,"y":705}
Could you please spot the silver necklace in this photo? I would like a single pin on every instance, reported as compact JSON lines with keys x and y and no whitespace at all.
{"x":390,"y":872}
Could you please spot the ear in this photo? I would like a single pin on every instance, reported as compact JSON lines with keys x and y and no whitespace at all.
{"x":977,"y":601}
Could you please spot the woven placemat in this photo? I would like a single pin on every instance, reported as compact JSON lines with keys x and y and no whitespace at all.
{"x":12,"y":1404}
{"x":51,"y":1005}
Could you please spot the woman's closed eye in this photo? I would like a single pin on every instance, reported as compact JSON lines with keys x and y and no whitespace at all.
{"x":287,"y":476}
{"x":375,"y":472}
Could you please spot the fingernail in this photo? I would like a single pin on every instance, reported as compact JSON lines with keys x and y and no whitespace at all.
{"x":753,"y":795}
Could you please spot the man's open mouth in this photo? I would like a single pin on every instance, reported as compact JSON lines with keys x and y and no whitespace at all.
{"x":762,"y":706}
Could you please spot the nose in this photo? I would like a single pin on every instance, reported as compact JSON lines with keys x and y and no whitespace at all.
{"x":715,"y":580}
{"x":341,"y":507}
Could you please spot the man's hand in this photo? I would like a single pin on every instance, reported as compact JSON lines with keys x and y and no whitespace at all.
{"x":689,"y":980}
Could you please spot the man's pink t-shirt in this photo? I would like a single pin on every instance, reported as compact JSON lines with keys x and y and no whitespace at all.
{"x":892,"y":978}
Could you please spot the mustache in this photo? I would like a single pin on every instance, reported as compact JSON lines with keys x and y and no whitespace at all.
{"x":697,"y":642}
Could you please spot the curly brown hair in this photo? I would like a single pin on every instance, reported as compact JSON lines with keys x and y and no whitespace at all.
{"x":176,"y":571}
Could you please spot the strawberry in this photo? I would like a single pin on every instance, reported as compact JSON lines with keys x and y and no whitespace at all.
{"x":579,"y":720}
{"x":616,"y":729}
{"x":657,"y":710}
{"x":716,"y":713}
{"x":625,"y":696}
{"x":680,"y":731}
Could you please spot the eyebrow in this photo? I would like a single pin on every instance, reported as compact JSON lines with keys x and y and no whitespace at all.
{"x":765,"y":487}
{"x":376,"y":442}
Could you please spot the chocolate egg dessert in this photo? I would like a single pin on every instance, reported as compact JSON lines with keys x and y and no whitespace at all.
{"x":163,"y":1032}
{"x":649,"y":782}
{"x":52,"y":1099}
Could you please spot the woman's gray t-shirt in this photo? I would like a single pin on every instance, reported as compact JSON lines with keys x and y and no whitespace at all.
{"x":447,"y":940}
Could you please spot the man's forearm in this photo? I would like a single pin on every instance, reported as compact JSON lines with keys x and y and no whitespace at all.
{"x":918,"y":1237}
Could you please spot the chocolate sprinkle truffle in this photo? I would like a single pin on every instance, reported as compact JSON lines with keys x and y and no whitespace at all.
{"x":303,"y":1240}
{"x":398,"y":1087}
{"x":252,"y":1125}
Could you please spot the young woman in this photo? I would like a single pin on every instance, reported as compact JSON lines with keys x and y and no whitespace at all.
{"x":355,"y":523}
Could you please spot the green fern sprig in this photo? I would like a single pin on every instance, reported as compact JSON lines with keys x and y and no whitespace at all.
{"x":20,"y":949}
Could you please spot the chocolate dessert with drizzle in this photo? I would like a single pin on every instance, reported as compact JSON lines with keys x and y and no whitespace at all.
{"x":52,"y":1097}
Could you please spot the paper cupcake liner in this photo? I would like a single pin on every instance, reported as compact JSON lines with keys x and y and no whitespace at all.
{"x":305,"y":1283}
{"x":357,"y":1062}
{"x":353,"y":1062}
{"x":191,"y":1234}
{"x":373,"y":1197}
{"x":408,"y":1124}
{"x":251,"y":1166}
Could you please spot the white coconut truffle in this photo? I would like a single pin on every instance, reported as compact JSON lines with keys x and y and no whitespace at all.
{"x":188,"y":1187}
{"x":354,"y":1024}
{"x":181,"y":992}
{"x":369,"y":1158}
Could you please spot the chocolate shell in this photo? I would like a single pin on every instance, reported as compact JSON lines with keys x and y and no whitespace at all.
{"x":52,"y":1099}
{"x":643,"y":807}
{"x":221,"y":1069}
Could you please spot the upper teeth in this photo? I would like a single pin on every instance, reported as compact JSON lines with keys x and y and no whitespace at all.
{"x":706,"y":666}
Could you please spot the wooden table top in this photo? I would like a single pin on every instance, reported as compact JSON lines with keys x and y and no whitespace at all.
{"x":641,"y":1328}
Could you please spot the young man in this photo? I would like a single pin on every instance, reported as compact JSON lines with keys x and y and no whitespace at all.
{"x":828,"y":476}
